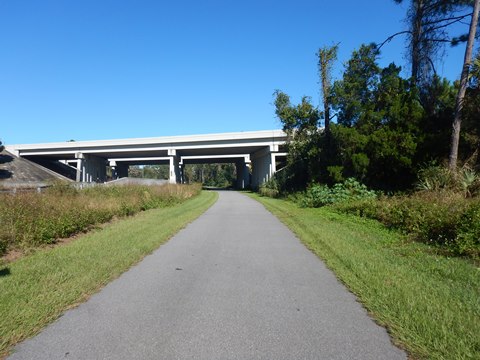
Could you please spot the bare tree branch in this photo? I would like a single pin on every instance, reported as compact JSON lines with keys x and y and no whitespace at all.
{"x":435,"y":5}
{"x":460,"y":17}
{"x":445,"y":25}
{"x":391,"y":37}
{"x":438,"y":40}
{"x":432,"y":65}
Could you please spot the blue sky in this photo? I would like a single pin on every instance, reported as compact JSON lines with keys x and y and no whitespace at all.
{"x":107,"y":69}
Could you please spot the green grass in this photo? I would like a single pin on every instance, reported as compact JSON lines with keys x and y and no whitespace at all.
{"x":36,"y":289}
{"x":429,"y":303}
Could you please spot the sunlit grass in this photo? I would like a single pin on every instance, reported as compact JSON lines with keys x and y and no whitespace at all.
{"x":429,"y":303}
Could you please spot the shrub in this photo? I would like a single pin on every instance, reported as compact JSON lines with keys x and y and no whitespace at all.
{"x":435,"y":178}
{"x":444,"y":219}
{"x":270,"y":188}
{"x":335,"y":173}
{"x":318,"y":195}
{"x":468,"y":180}
{"x":439,"y":178}
{"x":467,"y":240}
{"x":4,"y":243}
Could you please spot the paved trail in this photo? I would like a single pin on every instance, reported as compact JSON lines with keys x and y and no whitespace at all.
{"x":235,"y":284}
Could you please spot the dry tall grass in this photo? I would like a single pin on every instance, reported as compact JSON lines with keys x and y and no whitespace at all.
{"x":31,"y":219}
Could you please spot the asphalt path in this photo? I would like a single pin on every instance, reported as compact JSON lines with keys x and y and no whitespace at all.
{"x":234,"y":284}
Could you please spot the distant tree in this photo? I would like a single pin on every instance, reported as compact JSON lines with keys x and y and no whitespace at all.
{"x":135,"y":171}
{"x":156,"y":171}
{"x":326,"y":58}
{"x":302,"y":124}
{"x":149,"y":171}
{"x":438,"y":103}
{"x":1,"y":146}
{"x":452,"y":160}
{"x":377,"y":133}
{"x":348,"y":159}
{"x":217,"y":175}
{"x":194,"y":173}
{"x":375,"y":138}
{"x":470,"y":136}
{"x":352,"y":95}
{"x":220,"y":175}
{"x":427,"y":33}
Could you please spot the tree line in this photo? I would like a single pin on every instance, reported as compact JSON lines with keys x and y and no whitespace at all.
{"x":379,"y":126}
{"x":215,"y":175}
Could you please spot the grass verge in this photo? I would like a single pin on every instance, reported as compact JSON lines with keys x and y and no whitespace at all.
{"x":36,"y":289}
{"x":430,"y":304}
{"x":31,"y":220}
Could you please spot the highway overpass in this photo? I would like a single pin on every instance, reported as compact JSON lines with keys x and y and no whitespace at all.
{"x":256,"y":154}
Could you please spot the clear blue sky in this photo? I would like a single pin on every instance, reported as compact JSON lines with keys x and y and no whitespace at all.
{"x":105,"y":69}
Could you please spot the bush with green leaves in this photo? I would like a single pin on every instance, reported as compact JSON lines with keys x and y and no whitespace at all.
{"x":439,"y":178}
{"x":469,"y":182}
{"x":318,"y":195}
{"x":270,"y":188}
{"x":467,"y":240}
{"x":434,"y":178}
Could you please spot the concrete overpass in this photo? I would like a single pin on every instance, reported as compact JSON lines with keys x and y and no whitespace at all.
{"x":256,"y":154}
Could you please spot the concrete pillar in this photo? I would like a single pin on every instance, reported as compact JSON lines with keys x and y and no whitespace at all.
{"x":93,"y":168}
{"x":78,"y":177}
{"x":113,"y":168}
{"x":263,"y":166}
{"x":85,"y":176}
{"x":79,"y":156}
{"x":122,"y":171}
{"x":119,"y":170}
{"x":182,"y":174}
{"x":243,"y":174}
{"x":174,"y":167}
{"x":273,"y":164}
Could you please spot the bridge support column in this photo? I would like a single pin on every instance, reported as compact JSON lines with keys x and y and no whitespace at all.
{"x":175,"y":176}
{"x":264,"y":166}
{"x":79,"y":157}
{"x":113,"y":168}
{"x":182,"y":174}
{"x":90,"y":168}
{"x":118,"y":170}
{"x":122,"y":171}
{"x":243,"y":174}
